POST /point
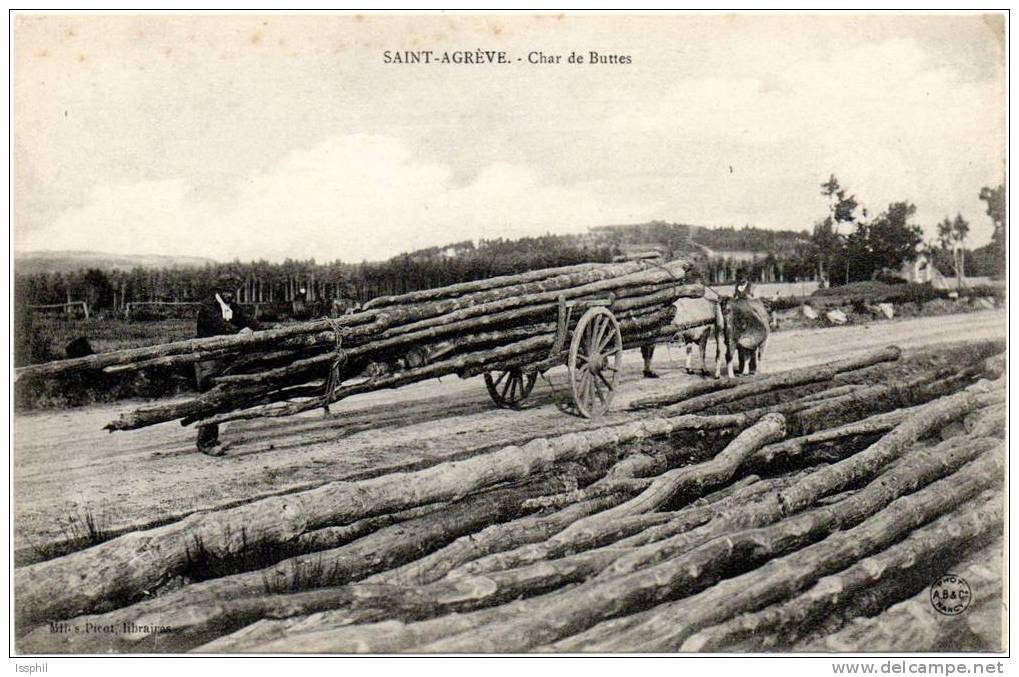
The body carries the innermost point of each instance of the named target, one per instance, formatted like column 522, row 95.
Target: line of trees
column 849, row 246
column 846, row 245
column 309, row 281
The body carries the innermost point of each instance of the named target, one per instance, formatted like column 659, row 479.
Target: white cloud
column 307, row 144
column 352, row 197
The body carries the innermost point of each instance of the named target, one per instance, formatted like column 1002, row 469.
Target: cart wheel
column 510, row 388
column 596, row 353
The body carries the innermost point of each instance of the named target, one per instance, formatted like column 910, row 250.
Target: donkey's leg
column 730, row 351
column 703, row 345
column 718, row 355
column 648, row 352
column 688, row 345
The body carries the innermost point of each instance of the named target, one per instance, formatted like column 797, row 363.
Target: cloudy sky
column 272, row 137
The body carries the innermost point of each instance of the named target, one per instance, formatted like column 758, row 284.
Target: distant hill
column 712, row 241
column 69, row 261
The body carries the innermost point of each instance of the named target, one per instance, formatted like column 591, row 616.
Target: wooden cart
column 593, row 357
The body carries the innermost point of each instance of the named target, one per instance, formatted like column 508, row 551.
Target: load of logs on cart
column 731, row 515
column 509, row 329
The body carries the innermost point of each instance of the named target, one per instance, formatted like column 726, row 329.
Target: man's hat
column 226, row 282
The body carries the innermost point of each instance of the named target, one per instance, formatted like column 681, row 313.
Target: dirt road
column 66, row 466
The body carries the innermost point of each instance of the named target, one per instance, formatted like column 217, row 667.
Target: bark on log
column 681, row 521
column 191, row 616
column 786, row 576
column 988, row 422
column 687, row 481
column 627, row 476
column 372, row 322
column 552, row 617
column 327, row 538
column 706, row 394
column 816, row 485
column 203, row 346
column 331, row 631
column 192, row 612
column 132, row 563
column 787, row 379
column 777, row 623
column 459, row 364
column 495, row 538
column 908, row 626
column 464, row 288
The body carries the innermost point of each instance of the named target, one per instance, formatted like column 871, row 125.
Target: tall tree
column 995, row 199
column 828, row 242
column 952, row 234
column 890, row 238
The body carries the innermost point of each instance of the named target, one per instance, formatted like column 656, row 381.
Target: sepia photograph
column 511, row 332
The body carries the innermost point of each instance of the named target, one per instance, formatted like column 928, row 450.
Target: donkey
column 747, row 325
column 709, row 309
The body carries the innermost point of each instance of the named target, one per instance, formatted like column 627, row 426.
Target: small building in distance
column 922, row 270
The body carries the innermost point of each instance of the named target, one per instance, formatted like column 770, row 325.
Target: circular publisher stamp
column 950, row 595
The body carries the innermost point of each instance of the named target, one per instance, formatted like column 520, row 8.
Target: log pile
column 463, row 329
column 745, row 518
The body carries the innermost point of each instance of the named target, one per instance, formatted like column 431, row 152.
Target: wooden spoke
column 510, row 388
column 505, row 387
column 594, row 361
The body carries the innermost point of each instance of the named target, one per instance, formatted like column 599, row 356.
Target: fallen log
column 900, row 628
column 371, row 599
column 787, row 379
column 628, row 476
column 327, row 538
column 611, row 524
column 553, row 617
column 130, row 564
column 788, row 575
column 691, row 517
column 331, row 630
column 495, row 538
column 687, row 481
column 816, row 485
column 383, row 549
column 707, row 394
column 777, row 623
column 190, row 616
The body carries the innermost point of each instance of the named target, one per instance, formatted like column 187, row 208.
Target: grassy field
column 111, row 334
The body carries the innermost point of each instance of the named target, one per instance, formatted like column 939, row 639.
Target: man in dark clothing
column 219, row 316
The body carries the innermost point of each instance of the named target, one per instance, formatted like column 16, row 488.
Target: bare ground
column 66, row 466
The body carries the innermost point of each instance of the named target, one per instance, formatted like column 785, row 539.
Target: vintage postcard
column 509, row 333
